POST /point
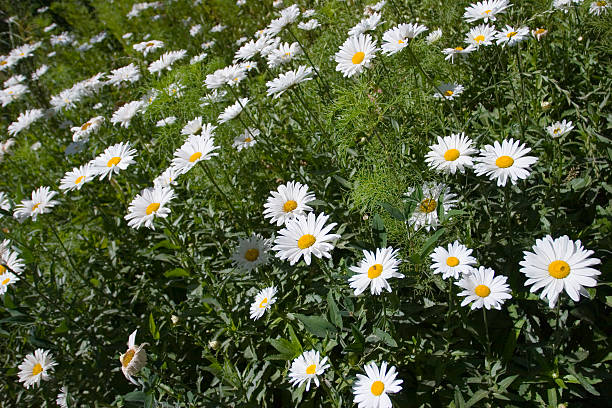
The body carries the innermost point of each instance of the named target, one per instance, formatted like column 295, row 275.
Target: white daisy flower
column 4, row 202
column 75, row 179
column 91, row 126
column 308, row 13
column 505, row 161
column 62, row 398
column 134, row 359
column 12, row 93
column 197, row 58
column 195, row 127
column 41, row 203
column 452, row 52
column 283, row 54
column 374, row 270
column 42, row 70
column 565, row 5
column 511, row 36
column 558, row 264
column 148, row 205
column 208, row 44
column 124, row 114
column 434, row 36
column 599, row 7
column 195, row 30
column 24, row 120
column 6, row 279
column 166, row 61
column 213, row 97
column 370, row 390
column 232, row 111
column 448, row 91
column 167, row 178
column 246, row 139
column 483, row 34
column 279, row 85
column 426, row 212
column 288, row 16
column 309, row 25
column 36, row 367
column 398, row 37
column 263, row 301
column 452, row 261
column 559, row 129
column 166, row 121
column 114, row 159
column 287, row 202
column 148, row 46
column 127, row 74
column 251, row 252
column 366, row 24
column 483, row 288
column 539, row 33
column 485, row 10
column 355, row 54
column 175, row 89
column 195, row 149
column 306, row 368
column 218, row 28
column 451, row 153
column 5, row 147
column 305, row 235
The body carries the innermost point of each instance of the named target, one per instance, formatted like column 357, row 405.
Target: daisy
column 195, row 127
column 129, row 73
column 565, row 5
column 599, row 7
column 166, row 121
column 426, row 212
column 115, row 158
column 232, row 111
column 134, row 359
column 6, row 146
column 218, row 28
column 308, row 13
column 263, row 301
column 288, row 16
column 12, row 93
column 367, row 24
column 451, row 153
column 539, row 33
column 197, row 58
column 397, row 38
column 288, row 79
column 283, row 54
column 370, row 390
column 24, row 121
column 504, row 161
column 483, row 288
column 485, row 10
column 91, row 126
column 195, row 30
column 6, row 279
column 452, row 261
column 374, row 270
column 434, row 36
column 36, row 367
column 166, row 61
column 41, row 203
column 247, row 139
column 213, row 97
column 287, row 202
column 148, row 46
column 511, row 36
column 175, row 90
column 451, row 52
column 483, row 34
column 75, row 179
column 62, row 398
column 251, row 252
column 208, row 44
column 148, row 205
column 4, row 203
column 124, row 114
column 306, row 368
column 559, row 129
column 195, row 149
column 309, row 25
column 42, row 70
column 305, row 235
column 448, row 91
column 167, row 178
column 355, row 54
column 558, row 264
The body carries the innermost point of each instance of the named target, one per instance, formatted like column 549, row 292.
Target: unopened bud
column 214, row 344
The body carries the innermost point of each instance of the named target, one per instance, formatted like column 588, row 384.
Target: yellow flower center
column 451, row 155
column 311, row 369
column 151, row 208
column 263, row 303
column 195, row 156
column 85, row 126
column 400, row 41
column 78, row 180
column 452, row 261
column 504, row 162
column 479, row 38
column 559, row 269
column 428, row 205
column 35, row 206
column 540, row 31
column 150, row 44
column 377, row 388
column 482, row 290
column 2, row 270
column 374, row 271
column 511, row 34
column 251, row 254
column 306, row 241
column 248, row 140
column 4, row 62
column 287, row 54
column 6, row 281
column 289, row 206
column 114, row 161
column 127, row 357
column 487, row 11
column 37, row 369
column 458, row 48
column 358, row 57
column 449, row 93
column 601, row 4
column 557, row 130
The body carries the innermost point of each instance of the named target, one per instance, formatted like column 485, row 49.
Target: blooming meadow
column 256, row 203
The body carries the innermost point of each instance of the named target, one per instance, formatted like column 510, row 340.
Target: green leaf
column 459, row 401
column 431, row 241
column 583, row 381
column 343, row 182
column 513, row 338
column 317, row 325
column 552, row 398
column 334, row 312
column 395, row 213
column 286, row 348
column 505, row 383
column 385, row 337
column 379, row 232
column 177, row 273
column 478, row 395
column 152, row 327
column 135, row 396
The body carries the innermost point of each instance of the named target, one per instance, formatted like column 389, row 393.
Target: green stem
column 486, row 325
column 212, row 180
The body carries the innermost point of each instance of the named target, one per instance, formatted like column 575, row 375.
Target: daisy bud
column 175, row 319
column 214, row 344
